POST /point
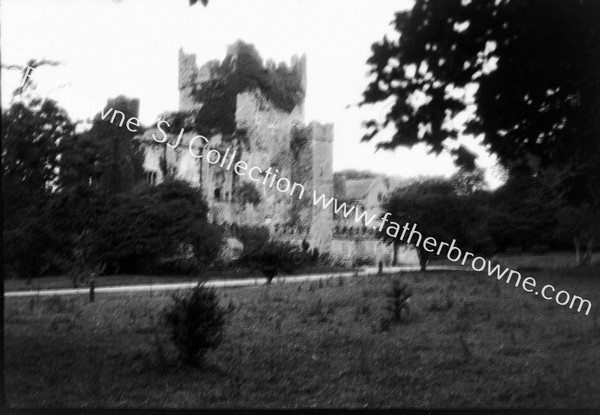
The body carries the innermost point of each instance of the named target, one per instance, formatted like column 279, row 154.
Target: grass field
column 470, row 342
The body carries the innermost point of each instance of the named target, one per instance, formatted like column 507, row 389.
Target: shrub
column 195, row 322
column 176, row 265
column 384, row 324
column 363, row 260
column 326, row 260
column 305, row 245
column 271, row 258
column 315, row 255
column 252, row 237
column 398, row 299
column 135, row 231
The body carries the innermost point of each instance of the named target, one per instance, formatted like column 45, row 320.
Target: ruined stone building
column 366, row 194
column 255, row 111
column 262, row 132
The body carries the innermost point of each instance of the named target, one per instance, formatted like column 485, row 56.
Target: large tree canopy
column 535, row 65
column 531, row 69
column 31, row 131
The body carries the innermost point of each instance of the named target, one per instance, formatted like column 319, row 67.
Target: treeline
column 537, row 122
column 524, row 214
column 77, row 204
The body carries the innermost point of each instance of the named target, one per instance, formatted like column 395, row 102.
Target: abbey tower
column 255, row 110
column 266, row 127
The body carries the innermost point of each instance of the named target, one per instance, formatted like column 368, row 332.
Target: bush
column 135, row 231
column 252, row 237
column 195, row 322
column 363, row 260
column 272, row 258
column 176, row 265
column 398, row 299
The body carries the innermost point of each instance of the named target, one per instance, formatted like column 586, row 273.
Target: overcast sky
column 130, row 47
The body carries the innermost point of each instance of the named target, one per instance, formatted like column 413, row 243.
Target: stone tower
column 188, row 79
column 273, row 136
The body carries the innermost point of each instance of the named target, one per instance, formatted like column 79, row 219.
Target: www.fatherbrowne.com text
column 268, row 177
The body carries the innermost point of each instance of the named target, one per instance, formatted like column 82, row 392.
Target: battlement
column 188, row 70
column 285, row 82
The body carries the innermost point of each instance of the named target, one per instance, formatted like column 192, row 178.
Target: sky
column 130, row 47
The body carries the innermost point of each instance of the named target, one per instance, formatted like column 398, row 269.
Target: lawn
column 470, row 342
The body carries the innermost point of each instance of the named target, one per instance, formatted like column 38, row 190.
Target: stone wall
column 267, row 144
column 349, row 250
column 346, row 249
column 179, row 160
column 321, row 230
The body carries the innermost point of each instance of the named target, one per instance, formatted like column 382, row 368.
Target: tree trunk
column 270, row 272
column 395, row 258
column 577, row 251
column 587, row 258
column 423, row 258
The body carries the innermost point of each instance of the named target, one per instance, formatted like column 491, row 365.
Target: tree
column 30, row 135
column 135, row 230
column 31, row 132
column 468, row 182
column 504, row 49
column 187, row 222
column 271, row 258
column 523, row 212
column 117, row 165
column 579, row 190
column 532, row 117
column 252, row 237
column 94, row 166
column 71, row 216
column 580, row 226
column 419, row 203
column 195, row 322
